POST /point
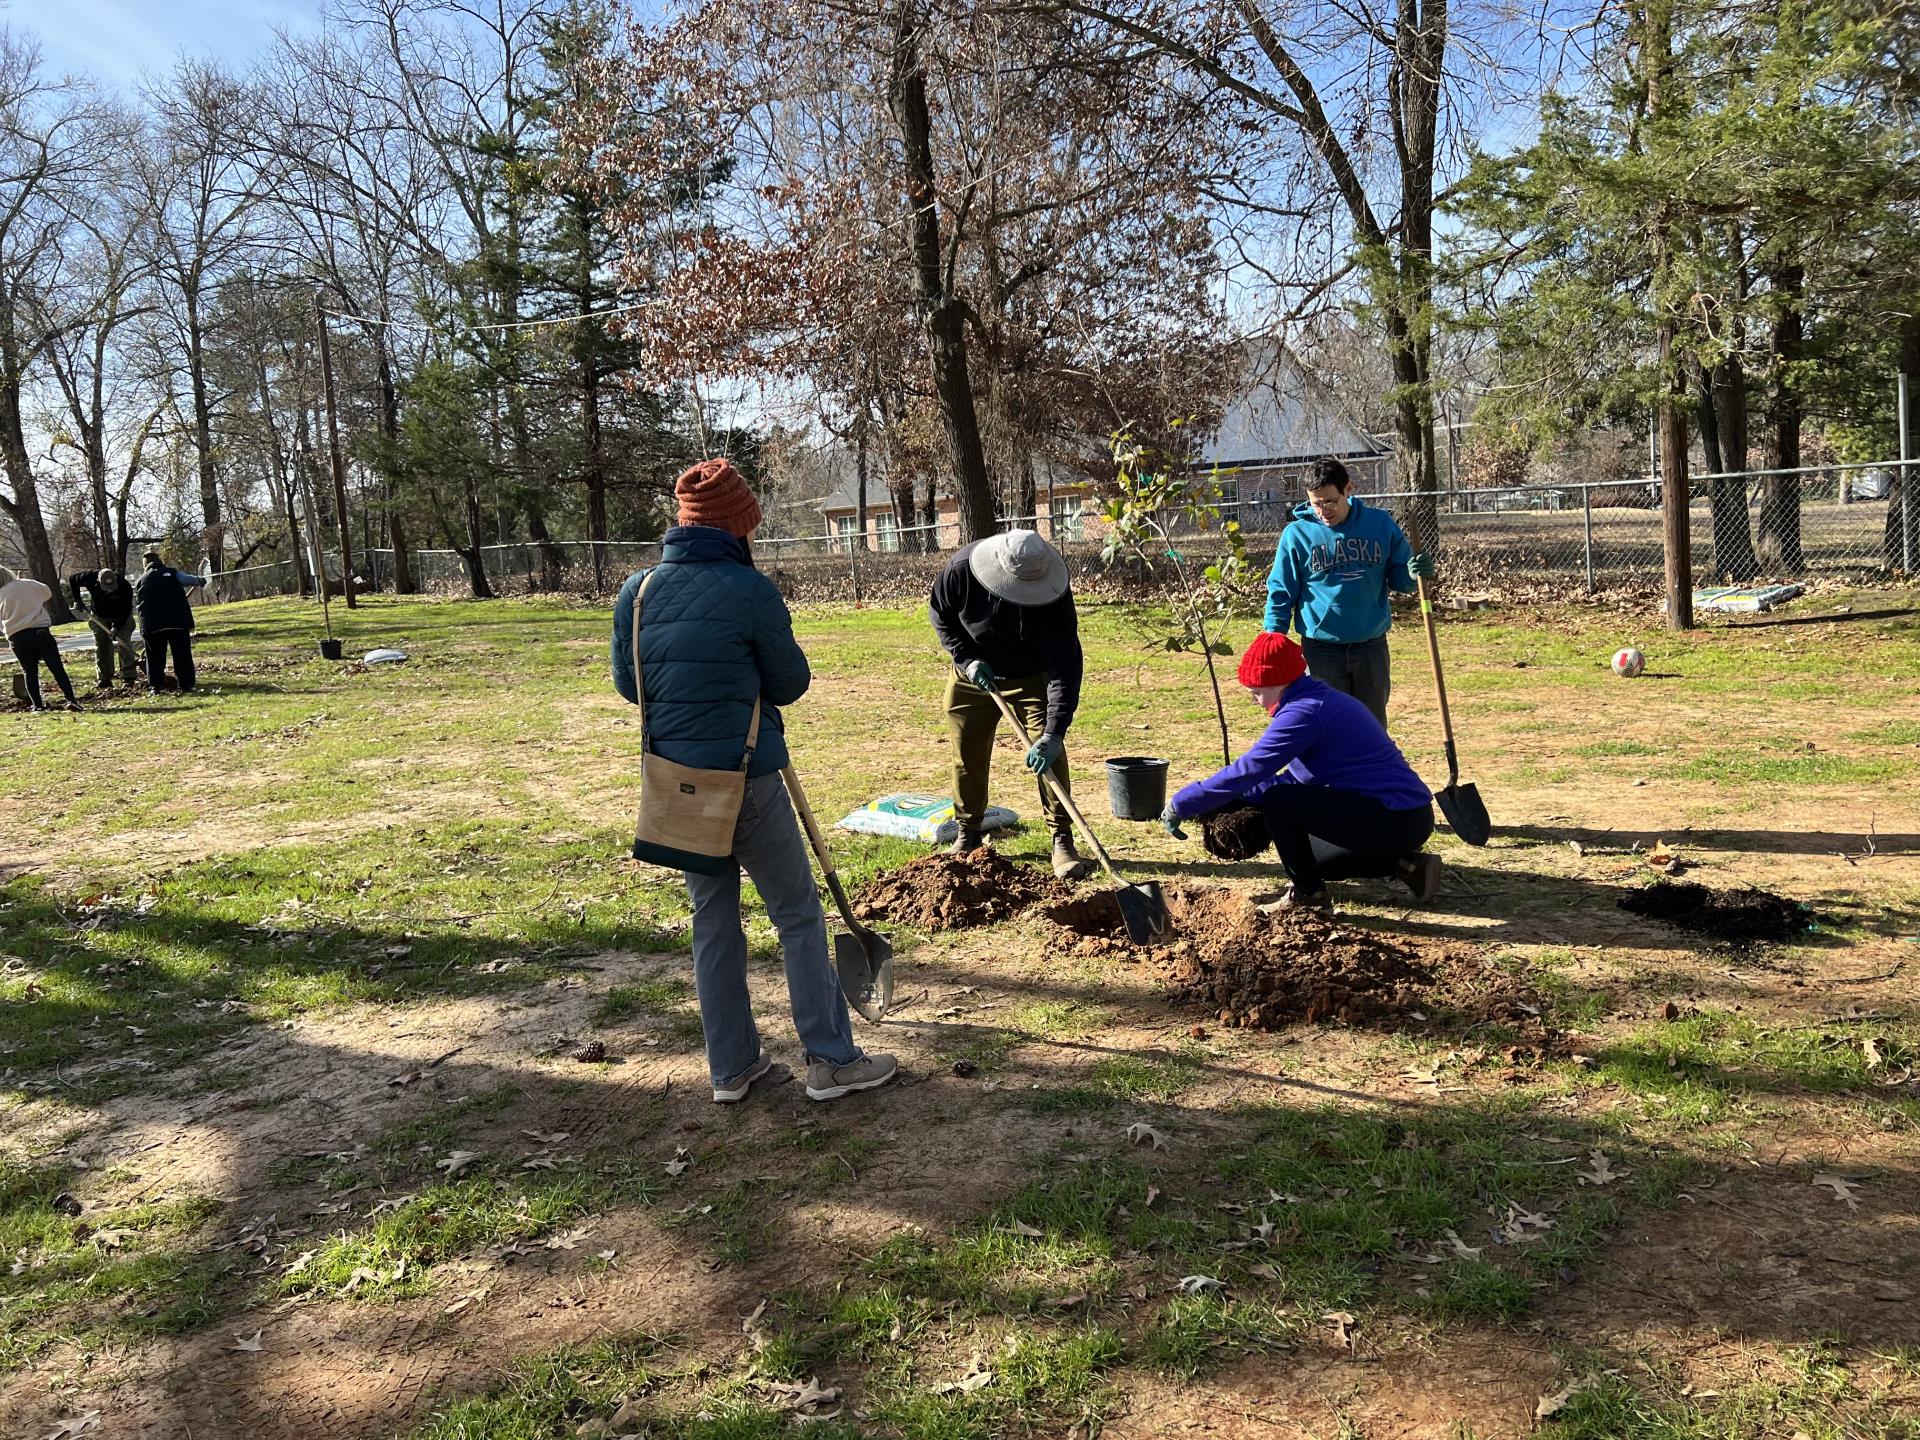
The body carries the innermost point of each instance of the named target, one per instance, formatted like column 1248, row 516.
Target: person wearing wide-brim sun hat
column 716, row 650
column 1003, row 610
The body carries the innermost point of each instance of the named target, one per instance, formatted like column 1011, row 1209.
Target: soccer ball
column 1628, row 662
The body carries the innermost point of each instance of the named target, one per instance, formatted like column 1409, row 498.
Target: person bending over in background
column 1340, row 801
column 715, row 642
column 106, row 600
column 1331, row 573
column 29, row 630
column 1003, row 610
column 166, row 620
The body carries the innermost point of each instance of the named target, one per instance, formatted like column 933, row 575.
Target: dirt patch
column 1739, row 916
column 957, row 892
column 1264, row 971
column 1237, row 833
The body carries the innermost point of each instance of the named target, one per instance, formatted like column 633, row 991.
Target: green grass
column 1788, row 762
column 1116, row 1080
column 661, row 996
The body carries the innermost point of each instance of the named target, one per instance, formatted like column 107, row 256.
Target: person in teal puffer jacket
column 715, row 637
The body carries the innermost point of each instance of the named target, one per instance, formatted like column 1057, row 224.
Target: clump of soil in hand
column 1741, row 916
column 957, row 892
column 1237, row 833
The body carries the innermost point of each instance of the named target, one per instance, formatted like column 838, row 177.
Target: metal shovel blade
column 1466, row 813
column 1144, row 910
column 864, row 962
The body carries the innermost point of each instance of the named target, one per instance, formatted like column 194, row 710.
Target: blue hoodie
column 714, row 635
column 1332, row 580
column 1320, row 737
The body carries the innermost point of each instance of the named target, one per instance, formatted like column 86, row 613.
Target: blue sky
column 114, row 41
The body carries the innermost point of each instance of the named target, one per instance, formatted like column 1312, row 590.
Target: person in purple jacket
column 1340, row 800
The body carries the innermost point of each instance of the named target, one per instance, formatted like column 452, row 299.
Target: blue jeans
column 767, row 842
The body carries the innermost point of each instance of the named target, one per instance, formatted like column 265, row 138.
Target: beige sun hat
column 1021, row 567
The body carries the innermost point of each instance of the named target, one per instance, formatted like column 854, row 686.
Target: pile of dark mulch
column 1236, row 833
column 1737, row 916
column 956, row 892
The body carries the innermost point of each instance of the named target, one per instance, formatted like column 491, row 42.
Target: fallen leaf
column 607, row 1256
column 554, row 1137
column 1263, row 1271
column 300, row 1264
column 249, row 1343
column 746, row 1325
column 75, row 1425
column 1342, row 1323
column 1020, row 1227
column 791, row 1396
column 1153, row 1194
column 1870, row 1049
column 978, row 1376
column 568, row 1239
column 1599, row 1170
column 682, row 1158
column 1200, row 1284
column 1461, row 1249
column 457, row 1161
column 1141, row 1133
column 109, row 1238
column 1842, row 1187
column 539, row 1162
column 1421, row 1074
column 1550, row 1405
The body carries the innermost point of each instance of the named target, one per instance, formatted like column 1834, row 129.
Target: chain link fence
column 1841, row 522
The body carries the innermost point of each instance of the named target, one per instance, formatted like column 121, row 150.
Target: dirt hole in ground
column 957, row 892
column 1263, row 971
column 1740, row 916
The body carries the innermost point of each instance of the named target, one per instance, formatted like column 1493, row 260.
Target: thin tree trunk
column 940, row 310
column 1725, row 409
column 23, row 509
column 215, row 534
column 1780, row 550
column 403, row 581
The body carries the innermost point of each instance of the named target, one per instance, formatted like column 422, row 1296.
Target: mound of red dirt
column 956, row 892
column 1739, row 916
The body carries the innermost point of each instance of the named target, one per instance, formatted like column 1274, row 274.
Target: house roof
column 1282, row 415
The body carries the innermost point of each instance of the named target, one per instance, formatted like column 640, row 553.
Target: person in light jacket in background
column 715, row 637
column 106, row 600
column 1340, row 801
column 1332, row 571
column 29, row 630
column 166, row 620
column 1003, row 611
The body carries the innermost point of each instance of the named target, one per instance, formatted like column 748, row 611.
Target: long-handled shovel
column 1461, row 804
column 863, row 959
column 1142, row 906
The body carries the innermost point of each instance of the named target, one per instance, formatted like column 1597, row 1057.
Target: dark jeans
column 1357, row 670
column 1327, row 835
column 32, row 648
column 159, row 642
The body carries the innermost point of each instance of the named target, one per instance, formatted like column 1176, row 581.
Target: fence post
column 1586, row 520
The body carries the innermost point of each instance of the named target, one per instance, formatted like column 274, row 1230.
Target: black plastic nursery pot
column 1136, row 787
column 329, row 649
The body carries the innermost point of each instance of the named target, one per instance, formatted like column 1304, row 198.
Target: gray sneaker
column 830, row 1082
column 736, row 1089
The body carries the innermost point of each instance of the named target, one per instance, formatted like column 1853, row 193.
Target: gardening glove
column 1170, row 822
column 978, row 672
column 1046, row 750
column 1421, row 566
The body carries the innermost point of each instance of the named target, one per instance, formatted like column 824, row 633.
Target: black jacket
column 973, row 623
column 115, row 609
column 162, row 601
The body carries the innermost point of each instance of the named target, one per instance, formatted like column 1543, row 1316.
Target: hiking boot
column 830, row 1082
column 1422, row 876
column 1068, row 863
column 967, row 841
column 736, row 1089
column 1319, row 902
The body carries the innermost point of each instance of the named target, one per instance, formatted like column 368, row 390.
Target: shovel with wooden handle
column 1461, row 804
column 1142, row 906
column 862, row 959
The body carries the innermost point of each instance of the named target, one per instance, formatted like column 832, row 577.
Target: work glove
column 1170, row 822
column 978, row 672
column 1046, row 750
column 1421, row 566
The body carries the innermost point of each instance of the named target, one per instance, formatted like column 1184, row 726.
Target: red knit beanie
column 712, row 493
column 1271, row 660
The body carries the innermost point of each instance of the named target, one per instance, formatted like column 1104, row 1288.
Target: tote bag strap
column 640, row 684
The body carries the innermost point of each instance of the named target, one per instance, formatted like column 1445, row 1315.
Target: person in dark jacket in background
column 1003, row 610
column 1332, row 571
column 29, row 631
column 1340, row 801
column 715, row 637
column 106, row 600
column 166, row 620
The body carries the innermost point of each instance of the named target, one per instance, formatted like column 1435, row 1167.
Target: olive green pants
column 972, row 718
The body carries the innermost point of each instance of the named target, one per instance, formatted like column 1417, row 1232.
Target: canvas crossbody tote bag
column 687, row 816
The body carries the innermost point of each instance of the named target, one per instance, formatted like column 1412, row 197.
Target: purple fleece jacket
column 1320, row 737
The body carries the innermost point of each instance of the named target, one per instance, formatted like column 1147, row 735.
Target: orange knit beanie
column 712, row 493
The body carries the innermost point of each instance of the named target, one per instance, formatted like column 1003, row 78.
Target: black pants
column 159, row 642
column 1357, row 670
column 33, row 647
column 1327, row 835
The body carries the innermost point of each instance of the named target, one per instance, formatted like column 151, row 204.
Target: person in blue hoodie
column 1331, row 573
column 1340, row 801
column 715, row 638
